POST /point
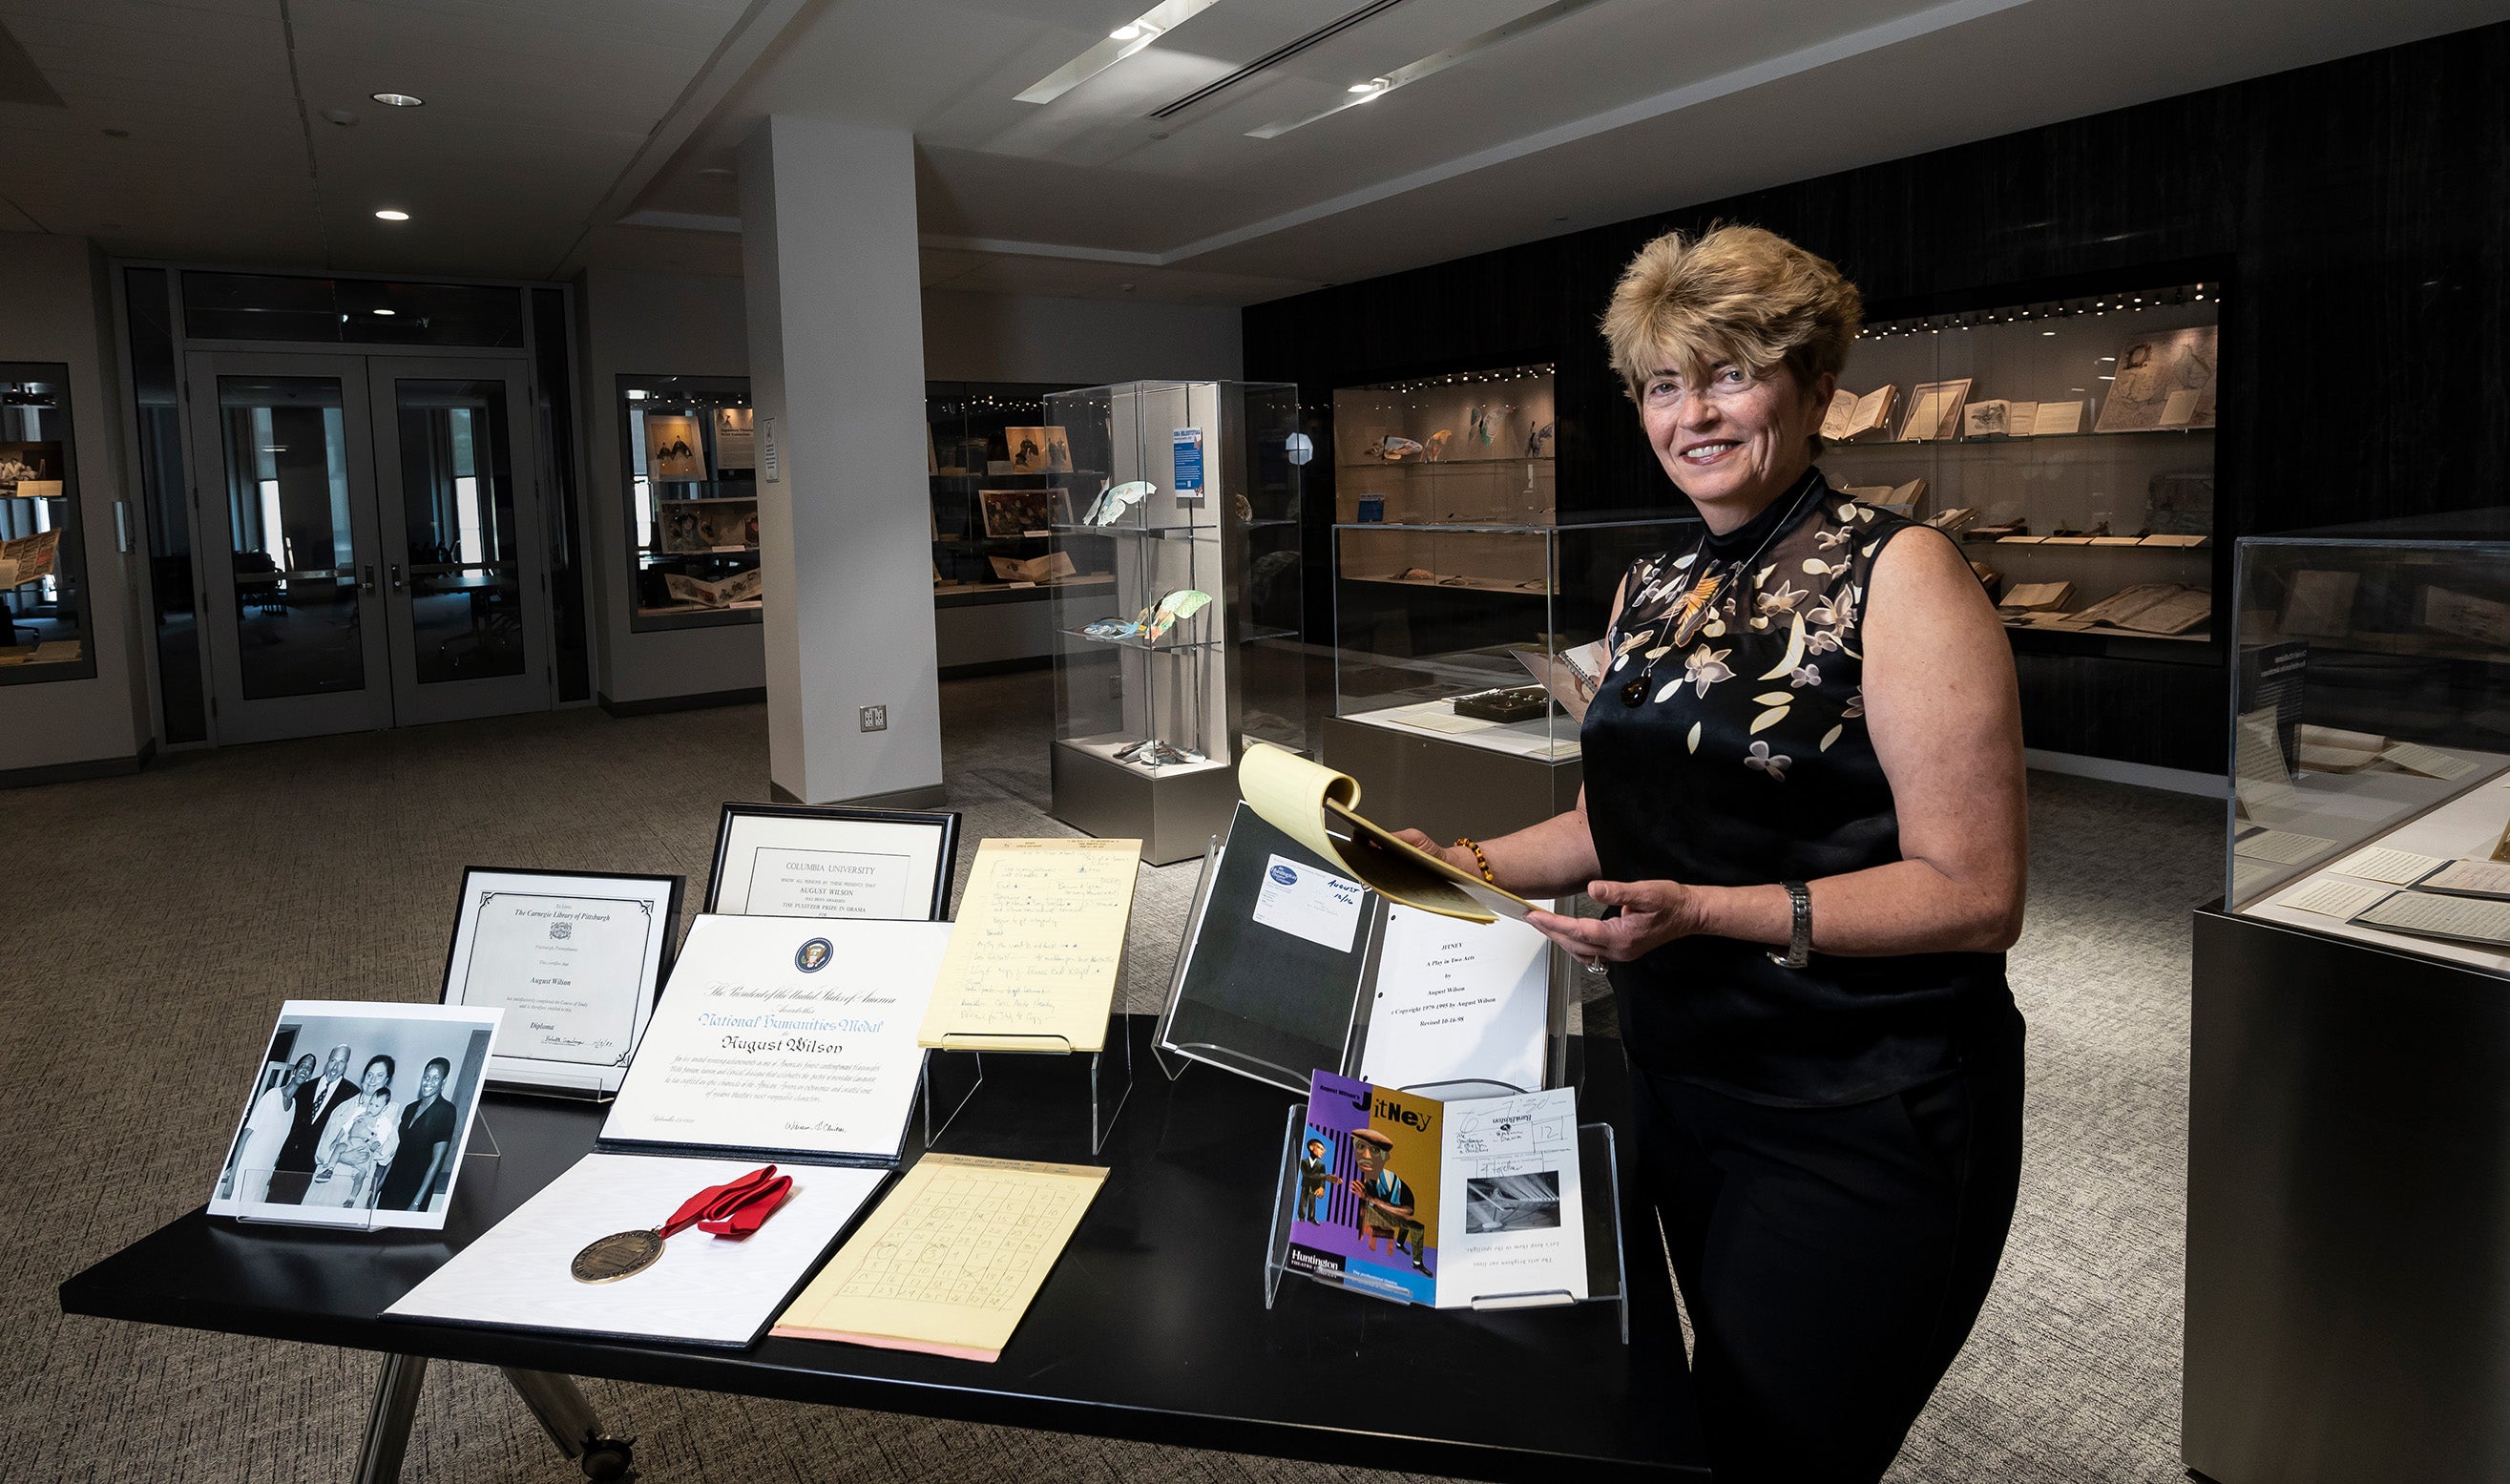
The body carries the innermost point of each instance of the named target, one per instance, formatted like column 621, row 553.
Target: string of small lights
column 2089, row 306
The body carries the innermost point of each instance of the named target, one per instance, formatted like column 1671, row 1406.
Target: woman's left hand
column 1654, row 913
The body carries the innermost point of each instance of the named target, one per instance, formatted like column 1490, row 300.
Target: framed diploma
column 575, row 959
column 783, row 1039
column 795, row 860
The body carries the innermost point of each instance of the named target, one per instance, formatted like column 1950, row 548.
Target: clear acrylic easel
column 1598, row 1176
column 952, row 1073
column 356, row 1218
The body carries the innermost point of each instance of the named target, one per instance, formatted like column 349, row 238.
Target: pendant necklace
column 1699, row 601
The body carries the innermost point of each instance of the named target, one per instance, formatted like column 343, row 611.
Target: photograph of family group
column 357, row 1115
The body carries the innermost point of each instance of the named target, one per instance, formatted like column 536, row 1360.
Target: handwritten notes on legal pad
column 1039, row 943
column 951, row 1260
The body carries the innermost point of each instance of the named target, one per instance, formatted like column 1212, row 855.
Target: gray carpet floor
column 159, row 918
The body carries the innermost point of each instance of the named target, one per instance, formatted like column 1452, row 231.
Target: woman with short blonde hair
column 1804, row 812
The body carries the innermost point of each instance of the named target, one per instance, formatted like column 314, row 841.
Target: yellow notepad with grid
column 952, row 1259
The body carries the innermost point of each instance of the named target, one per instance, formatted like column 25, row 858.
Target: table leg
column 572, row 1425
column 388, row 1424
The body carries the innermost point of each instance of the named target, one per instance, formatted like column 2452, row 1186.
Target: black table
column 1151, row 1327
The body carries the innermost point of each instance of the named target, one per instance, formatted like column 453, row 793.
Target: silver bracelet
column 1800, row 937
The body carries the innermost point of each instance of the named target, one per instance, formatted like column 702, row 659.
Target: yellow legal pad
column 1319, row 808
column 950, row 1261
column 1039, row 941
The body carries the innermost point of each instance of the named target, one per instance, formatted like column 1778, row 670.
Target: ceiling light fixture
column 1430, row 66
column 385, row 310
column 397, row 99
column 1122, row 42
column 392, row 214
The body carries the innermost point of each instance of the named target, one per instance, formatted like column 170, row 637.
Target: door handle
column 369, row 581
column 396, row 577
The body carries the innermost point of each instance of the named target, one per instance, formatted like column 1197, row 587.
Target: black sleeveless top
column 1744, row 761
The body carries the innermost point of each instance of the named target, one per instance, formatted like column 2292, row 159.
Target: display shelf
column 687, row 446
column 1233, row 534
column 43, row 552
column 2007, row 440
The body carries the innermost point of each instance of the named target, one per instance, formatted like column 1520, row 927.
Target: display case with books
column 2370, row 736
column 42, row 572
column 2067, row 442
column 1464, row 657
column 1000, row 475
column 689, row 464
column 1185, row 495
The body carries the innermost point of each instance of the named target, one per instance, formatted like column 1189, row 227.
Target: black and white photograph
column 357, row 1115
column 30, row 470
column 1529, row 1203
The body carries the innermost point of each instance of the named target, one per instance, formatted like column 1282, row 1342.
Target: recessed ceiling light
column 384, row 311
column 1122, row 42
column 397, row 99
column 392, row 214
column 1430, row 65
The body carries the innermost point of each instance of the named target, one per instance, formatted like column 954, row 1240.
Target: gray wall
column 56, row 309
column 1012, row 337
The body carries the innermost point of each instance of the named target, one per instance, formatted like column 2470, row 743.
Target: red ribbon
column 732, row 1209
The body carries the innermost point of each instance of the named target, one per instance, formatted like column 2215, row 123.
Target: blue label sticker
column 1189, row 463
column 1286, row 876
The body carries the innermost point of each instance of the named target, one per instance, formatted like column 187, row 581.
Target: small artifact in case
column 1514, row 702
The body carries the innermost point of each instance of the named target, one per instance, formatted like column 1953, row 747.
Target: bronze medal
column 621, row 1254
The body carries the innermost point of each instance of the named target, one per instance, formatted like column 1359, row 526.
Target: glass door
column 384, row 562
column 462, row 541
column 294, row 618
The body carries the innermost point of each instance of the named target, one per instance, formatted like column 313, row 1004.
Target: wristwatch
column 1798, row 940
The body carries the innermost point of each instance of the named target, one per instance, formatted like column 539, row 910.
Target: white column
column 836, row 358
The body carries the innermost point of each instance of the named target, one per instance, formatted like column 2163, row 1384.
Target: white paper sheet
column 2332, row 899
column 2430, row 762
column 2467, row 918
column 703, row 1289
column 2380, row 863
column 2258, row 774
column 1511, row 1211
column 2471, row 878
column 1458, row 1001
column 785, row 1033
column 2281, row 846
column 1309, row 903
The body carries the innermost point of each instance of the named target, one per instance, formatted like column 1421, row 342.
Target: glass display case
column 1444, row 636
column 2371, row 735
column 1470, row 449
column 1001, row 477
column 42, row 572
column 2068, row 444
column 1184, row 501
column 690, row 468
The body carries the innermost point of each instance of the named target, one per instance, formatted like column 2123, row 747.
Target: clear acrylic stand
column 588, row 1086
column 949, row 1085
column 1599, row 1176
column 1172, row 1059
column 314, row 1210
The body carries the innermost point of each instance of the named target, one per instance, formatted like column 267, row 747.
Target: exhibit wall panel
column 58, row 308
column 2353, row 211
column 658, row 325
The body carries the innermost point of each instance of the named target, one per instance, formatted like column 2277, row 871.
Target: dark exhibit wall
column 2358, row 213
